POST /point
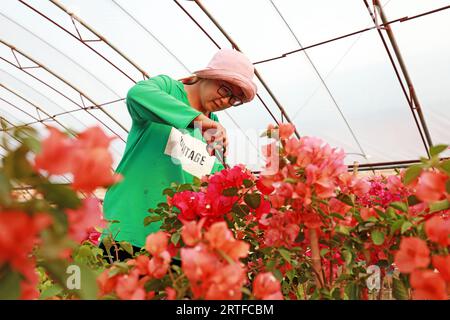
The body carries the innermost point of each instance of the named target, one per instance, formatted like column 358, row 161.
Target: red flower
column 92, row 169
column 94, row 137
column 264, row 185
column 427, row 285
column 128, row 287
column 156, row 243
column 413, row 254
column 106, row 284
column 226, row 283
column 431, row 186
column 366, row 213
column 18, row 234
column 221, row 238
column 198, row 264
column 438, row 230
column 171, row 293
column 267, row 287
column 158, row 265
column 443, row 265
column 286, row 130
column 82, row 220
column 56, row 154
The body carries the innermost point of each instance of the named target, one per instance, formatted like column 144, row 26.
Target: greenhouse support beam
column 403, row 19
column 35, row 106
column 82, row 94
column 413, row 100
column 235, row 46
column 397, row 74
column 102, row 38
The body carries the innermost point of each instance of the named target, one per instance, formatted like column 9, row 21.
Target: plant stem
column 315, row 257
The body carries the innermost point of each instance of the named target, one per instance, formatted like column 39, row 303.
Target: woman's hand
column 213, row 132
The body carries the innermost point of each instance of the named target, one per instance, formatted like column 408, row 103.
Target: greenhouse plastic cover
column 345, row 92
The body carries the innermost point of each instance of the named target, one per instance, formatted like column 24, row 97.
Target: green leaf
column 278, row 275
column 399, row 291
column 343, row 229
column 185, row 187
column 412, row 173
column 399, row 206
column 324, row 251
column 50, row 292
column 153, row 285
column 345, row 199
column 291, row 274
column 412, row 200
column 5, row 190
column 248, row 183
column 439, row 206
column 169, row 192
column 337, row 215
column 377, row 237
column 230, row 192
column 405, row 226
column 435, row 150
column 61, row 195
column 9, row 284
column 447, row 186
column 445, row 166
column 175, row 238
column 150, row 219
column 16, row 164
column 390, row 212
column 352, row 291
column 348, row 257
column 253, row 200
column 285, row 254
column 126, row 246
column 396, row 225
column 108, row 242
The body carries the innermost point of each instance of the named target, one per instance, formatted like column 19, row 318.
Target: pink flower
column 442, row 263
column 55, row 156
column 286, row 130
column 191, row 233
column 18, row 235
column 171, row 293
column 159, row 264
column 226, row 283
column 94, row 137
column 92, row 169
column 157, row 242
column 221, row 238
column 129, row 288
column 267, row 287
column 82, row 220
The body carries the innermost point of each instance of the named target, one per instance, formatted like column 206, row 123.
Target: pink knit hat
column 233, row 67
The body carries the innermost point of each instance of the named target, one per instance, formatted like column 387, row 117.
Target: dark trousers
column 122, row 255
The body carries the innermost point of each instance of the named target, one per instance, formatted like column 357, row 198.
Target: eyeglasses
column 226, row 92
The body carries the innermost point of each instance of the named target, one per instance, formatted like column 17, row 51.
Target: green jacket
column 157, row 106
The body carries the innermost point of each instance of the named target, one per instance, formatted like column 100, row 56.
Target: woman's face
column 217, row 95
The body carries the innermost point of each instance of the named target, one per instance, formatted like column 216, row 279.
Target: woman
column 173, row 137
